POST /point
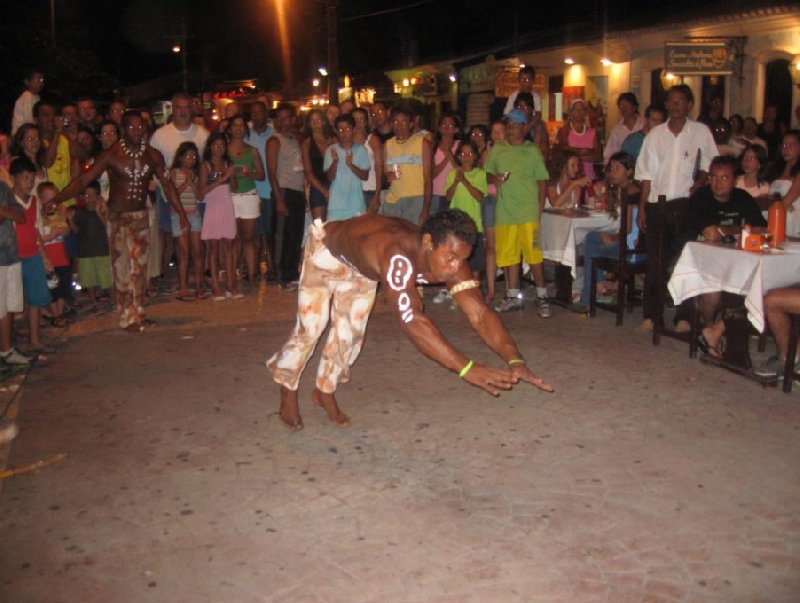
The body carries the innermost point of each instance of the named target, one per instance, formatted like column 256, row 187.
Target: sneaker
column 542, row 307
column 771, row 367
column 16, row 358
column 442, row 296
column 507, row 304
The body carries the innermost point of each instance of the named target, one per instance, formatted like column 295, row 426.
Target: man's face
column 197, row 105
column 515, row 132
column 346, row 107
column 70, row 114
column 377, row 114
column 361, row 120
column 87, row 111
column 446, row 259
column 750, row 127
column 332, row 113
column 134, row 130
column 46, row 119
column 115, row 111
column 258, row 115
column 678, row 106
column 401, row 126
column 344, row 133
column 35, row 83
column 232, row 109
column 525, row 82
column 182, row 113
column 23, row 183
column 108, row 136
column 654, row 119
column 626, row 108
column 722, row 180
column 284, row 120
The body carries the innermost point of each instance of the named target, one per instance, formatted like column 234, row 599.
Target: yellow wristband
column 466, row 369
column 514, row 361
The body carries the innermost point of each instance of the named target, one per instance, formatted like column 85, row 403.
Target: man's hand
column 489, row 379
column 280, row 207
column 375, row 204
column 641, row 220
column 523, row 373
column 424, row 215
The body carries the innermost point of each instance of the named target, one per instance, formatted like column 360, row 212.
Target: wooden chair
column 791, row 354
column 669, row 217
column 627, row 264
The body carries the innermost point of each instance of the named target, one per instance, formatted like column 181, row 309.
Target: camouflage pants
column 130, row 235
column 331, row 290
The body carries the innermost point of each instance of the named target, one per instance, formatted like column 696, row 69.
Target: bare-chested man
column 131, row 164
column 344, row 261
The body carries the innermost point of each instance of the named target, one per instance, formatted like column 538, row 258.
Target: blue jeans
column 593, row 247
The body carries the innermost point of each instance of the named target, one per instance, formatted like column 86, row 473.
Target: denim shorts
column 195, row 222
column 34, row 282
column 488, row 208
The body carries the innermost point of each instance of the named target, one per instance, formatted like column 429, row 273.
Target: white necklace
column 136, row 176
column 130, row 152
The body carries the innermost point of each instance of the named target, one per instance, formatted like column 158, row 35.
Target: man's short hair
column 182, row 96
column 30, row 71
column 683, row 89
column 129, row 115
column 94, row 185
column 286, row 107
column 630, row 97
column 450, row 222
column 404, row 108
column 20, row 165
column 346, row 118
column 524, row 97
column 723, row 161
column 657, row 107
column 360, row 110
column 529, row 70
column 44, row 103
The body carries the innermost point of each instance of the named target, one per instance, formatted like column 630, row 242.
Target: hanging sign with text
column 698, row 58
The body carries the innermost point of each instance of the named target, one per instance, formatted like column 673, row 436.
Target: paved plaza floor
column 646, row 476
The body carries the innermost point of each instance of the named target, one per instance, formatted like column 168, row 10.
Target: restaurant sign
column 698, row 58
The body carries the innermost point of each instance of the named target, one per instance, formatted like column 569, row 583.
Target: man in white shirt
column 631, row 122
column 23, row 108
column 167, row 139
column 260, row 131
column 527, row 76
column 674, row 162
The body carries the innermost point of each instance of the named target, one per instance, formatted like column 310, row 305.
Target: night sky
column 130, row 40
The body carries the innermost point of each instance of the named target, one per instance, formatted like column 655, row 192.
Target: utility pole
column 333, row 51
column 184, row 66
column 53, row 22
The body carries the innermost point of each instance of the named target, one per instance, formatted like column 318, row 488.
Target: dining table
column 561, row 231
column 706, row 267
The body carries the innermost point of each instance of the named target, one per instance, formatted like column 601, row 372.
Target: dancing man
column 131, row 164
column 344, row 261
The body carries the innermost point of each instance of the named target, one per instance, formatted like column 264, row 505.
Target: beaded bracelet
column 514, row 361
column 466, row 369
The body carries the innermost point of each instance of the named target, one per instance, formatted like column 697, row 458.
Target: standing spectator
column 380, row 122
column 654, row 115
column 53, row 229
column 249, row 169
column 219, row 221
column 11, row 300
column 527, row 77
column 536, row 130
column 771, row 131
column 726, row 144
column 517, row 167
column 87, row 113
column 23, row 107
column 331, row 113
column 374, row 147
column 30, row 248
column 346, row 165
column 115, row 112
column 631, row 122
column 109, row 135
column 185, row 178
column 484, row 139
column 713, row 111
column 446, row 142
column 59, row 147
column 317, row 135
column 285, row 170
column 750, row 133
column 88, row 223
column 580, row 137
column 408, row 170
column 28, row 144
column 167, row 139
column 786, row 180
column 673, row 162
column 260, row 131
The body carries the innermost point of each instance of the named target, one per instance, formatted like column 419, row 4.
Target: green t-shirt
column 463, row 199
column 518, row 197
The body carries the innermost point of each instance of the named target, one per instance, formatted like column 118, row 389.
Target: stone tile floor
column 647, row 476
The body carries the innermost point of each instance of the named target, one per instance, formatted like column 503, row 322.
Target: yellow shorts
column 515, row 240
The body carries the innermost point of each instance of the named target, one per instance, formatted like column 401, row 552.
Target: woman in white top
column 787, row 181
column 753, row 168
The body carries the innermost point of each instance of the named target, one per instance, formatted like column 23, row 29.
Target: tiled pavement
column 647, row 476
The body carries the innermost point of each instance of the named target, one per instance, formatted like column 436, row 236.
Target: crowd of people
column 108, row 200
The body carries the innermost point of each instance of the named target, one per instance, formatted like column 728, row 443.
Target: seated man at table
column 715, row 211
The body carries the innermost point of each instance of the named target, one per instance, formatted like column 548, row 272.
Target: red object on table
column 776, row 222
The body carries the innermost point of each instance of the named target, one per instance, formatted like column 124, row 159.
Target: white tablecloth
column 560, row 234
column 705, row 268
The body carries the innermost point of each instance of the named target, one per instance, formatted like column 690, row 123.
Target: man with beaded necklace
column 131, row 163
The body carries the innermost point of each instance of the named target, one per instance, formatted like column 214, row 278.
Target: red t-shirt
column 28, row 233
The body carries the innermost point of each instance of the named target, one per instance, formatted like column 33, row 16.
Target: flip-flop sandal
column 707, row 348
column 185, row 298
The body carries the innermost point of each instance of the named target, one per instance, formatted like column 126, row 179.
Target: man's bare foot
column 290, row 412
column 135, row 327
column 328, row 402
column 712, row 337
